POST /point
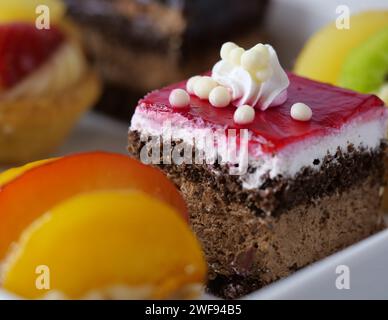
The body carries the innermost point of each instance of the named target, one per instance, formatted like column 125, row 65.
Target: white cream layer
column 361, row 133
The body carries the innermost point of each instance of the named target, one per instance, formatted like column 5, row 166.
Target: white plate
column 366, row 261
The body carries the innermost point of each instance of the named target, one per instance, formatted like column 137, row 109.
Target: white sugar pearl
column 301, row 112
column 226, row 49
column 219, row 97
column 190, row 84
column 203, row 86
column 254, row 59
column 179, row 98
column 235, row 55
column 244, row 114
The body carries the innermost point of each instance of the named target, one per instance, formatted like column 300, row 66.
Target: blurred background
column 140, row 46
column 291, row 23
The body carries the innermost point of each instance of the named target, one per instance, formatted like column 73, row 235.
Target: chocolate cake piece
column 293, row 192
column 142, row 45
column 257, row 228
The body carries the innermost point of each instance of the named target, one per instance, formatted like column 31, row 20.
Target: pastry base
column 31, row 128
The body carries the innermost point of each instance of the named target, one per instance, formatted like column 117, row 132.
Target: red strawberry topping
column 332, row 107
column 24, row 48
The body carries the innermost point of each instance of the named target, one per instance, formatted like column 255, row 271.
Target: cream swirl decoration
column 254, row 77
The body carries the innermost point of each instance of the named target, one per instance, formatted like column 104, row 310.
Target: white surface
column 367, row 262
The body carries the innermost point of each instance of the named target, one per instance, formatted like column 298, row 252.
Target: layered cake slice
column 278, row 171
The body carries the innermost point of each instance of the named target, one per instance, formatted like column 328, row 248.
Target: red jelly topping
column 332, row 107
column 23, row 48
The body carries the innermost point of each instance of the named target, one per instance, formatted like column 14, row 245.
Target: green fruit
column 366, row 67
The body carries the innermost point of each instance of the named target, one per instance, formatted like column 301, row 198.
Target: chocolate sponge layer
column 254, row 237
column 245, row 252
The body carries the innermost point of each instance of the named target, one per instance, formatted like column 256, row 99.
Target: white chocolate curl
column 257, row 80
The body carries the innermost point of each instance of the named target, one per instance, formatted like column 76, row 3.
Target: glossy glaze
column 332, row 108
column 23, row 49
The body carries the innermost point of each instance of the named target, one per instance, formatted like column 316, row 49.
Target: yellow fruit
column 111, row 244
column 325, row 53
column 25, row 10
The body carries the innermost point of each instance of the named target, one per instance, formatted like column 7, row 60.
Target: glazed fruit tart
column 45, row 81
column 305, row 176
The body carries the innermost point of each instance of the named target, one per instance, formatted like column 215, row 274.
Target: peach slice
column 13, row 173
column 37, row 190
column 107, row 244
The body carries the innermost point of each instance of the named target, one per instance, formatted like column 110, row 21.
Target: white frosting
column 246, row 90
column 361, row 133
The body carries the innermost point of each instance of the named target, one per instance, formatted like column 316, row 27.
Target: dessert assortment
column 166, row 40
column 249, row 172
column 314, row 157
column 45, row 81
column 106, row 226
